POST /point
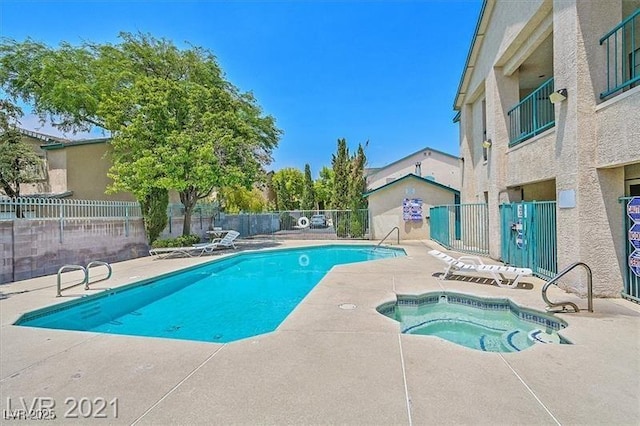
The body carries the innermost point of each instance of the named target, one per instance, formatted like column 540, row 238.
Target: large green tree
column 18, row 162
column 287, row 185
column 176, row 122
column 357, row 181
column 341, row 164
column 240, row 199
column 308, row 194
column 323, row 188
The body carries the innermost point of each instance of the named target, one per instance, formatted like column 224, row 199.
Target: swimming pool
column 486, row 324
column 224, row 300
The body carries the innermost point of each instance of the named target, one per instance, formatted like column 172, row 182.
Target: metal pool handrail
column 97, row 263
column 571, row 304
column 395, row 228
column 71, row 268
column 85, row 280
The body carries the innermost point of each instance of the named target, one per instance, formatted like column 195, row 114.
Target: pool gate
column 528, row 236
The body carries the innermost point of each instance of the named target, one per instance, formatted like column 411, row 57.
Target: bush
column 342, row 230
column 356, row 229
column 181, row 241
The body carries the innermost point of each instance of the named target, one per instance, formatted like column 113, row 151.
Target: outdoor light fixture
column 486, row 144
column 558, row 96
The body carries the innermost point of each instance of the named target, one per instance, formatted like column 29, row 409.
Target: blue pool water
column 490, row 325
column 221, row 301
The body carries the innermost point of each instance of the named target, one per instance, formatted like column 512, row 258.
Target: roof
column 41, row 136
column 408, row 176
column 474, row 49
column 61, row 145
column 56, row 142
column 373, row 170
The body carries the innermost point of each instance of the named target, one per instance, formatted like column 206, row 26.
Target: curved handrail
column 395, row 228
column 97, row 263
column 566, row 270
column 71, row 268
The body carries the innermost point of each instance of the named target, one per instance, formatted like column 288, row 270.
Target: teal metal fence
column 461, row 227
column 528, row 236
column 532, row 115
column 631, row 289
column 623, row 55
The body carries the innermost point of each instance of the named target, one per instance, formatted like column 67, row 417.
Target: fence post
column 61, row 205
column 126, row 220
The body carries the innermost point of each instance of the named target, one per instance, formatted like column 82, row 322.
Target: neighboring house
column 405, row 203
column 582, row 151
column 427, row 163
column 71, row 169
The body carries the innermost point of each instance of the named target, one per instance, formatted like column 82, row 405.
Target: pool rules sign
column 633, row 211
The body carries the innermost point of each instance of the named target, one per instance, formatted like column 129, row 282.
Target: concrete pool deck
column 326, row 365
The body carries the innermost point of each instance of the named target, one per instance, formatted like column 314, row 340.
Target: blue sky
column 382, row 71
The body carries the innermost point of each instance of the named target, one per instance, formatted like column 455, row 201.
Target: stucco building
column 427, row 163
column 401, row 193
column 549, row 110
column 74, row 169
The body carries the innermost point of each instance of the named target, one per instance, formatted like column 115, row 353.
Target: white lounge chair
column 197, row 250
column 475, row 264
column 226, row 241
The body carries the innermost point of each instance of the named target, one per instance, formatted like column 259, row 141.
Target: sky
column 385, row 72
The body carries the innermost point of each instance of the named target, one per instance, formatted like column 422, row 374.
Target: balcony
column 623, row 55
column 532, row 115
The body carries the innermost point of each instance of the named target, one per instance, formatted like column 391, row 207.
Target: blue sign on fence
column 634, row 262
column 633, row 209
column 634, row 235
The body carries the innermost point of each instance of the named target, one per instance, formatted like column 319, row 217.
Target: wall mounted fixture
column 558, row 96
column 486, row 144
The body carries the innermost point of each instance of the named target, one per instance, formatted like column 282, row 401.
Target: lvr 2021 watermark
column 44, row 408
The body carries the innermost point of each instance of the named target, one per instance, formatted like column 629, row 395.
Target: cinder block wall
column 33, row 248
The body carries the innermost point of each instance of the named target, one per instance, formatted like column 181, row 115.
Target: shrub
column 181, row 241
column 342, row 230
column 356, row 227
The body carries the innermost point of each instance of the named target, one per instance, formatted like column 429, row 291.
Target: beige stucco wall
column 385, row 208
column 587, row 150
column 443, row 168
column 87, row 167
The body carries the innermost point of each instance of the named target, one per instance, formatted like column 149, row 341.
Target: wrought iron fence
column 532, row 115
column 623, row 55
column 55, row 208
column 461, row 227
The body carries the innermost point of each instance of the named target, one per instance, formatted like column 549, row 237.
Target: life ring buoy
column 303, row 222
column 303, row 260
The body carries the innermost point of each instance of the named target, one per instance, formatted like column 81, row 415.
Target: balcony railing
column 623, row 55
column 533, row 114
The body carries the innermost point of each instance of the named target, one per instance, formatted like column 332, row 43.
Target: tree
column 341, row 173
column 357, row 181
column 308, row 193
column 323, row 188
column 287, row 184
column 240, row 199
column 176, row 122
column 18, row 162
